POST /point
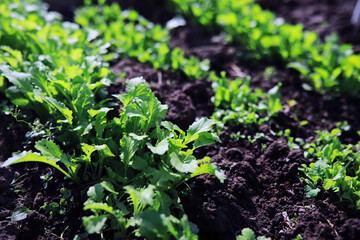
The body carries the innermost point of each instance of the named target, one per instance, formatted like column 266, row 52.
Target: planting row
column 234, row 101
column 333, row 68
column 134, row 163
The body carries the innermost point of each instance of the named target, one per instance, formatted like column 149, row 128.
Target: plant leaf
column 19, row 213
column 246, row 234
column 129, row 146
column 205, row 138
column 96, row 193
column 49, row 150
column 160, row 148
column 202, row 125
column 98, row 206
column 141, row 198
column 94, row 224
column 33, row 157
column 138, row 163
column 311, row 192
column 176, row 162
column 108, row 186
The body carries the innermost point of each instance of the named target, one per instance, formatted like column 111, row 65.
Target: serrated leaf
column 246, row 234
column 202, row 125
column 219, row 173
column 105, row 150
column 160, row 148
column 15, row 53
column 132, row 83
column 177, row 143
column 94, row 224
column 19, row 213
column 49, row 150
column 67, row 113
column 156, row 110
column 19, row 79
column 129, row 146
column 141, row 198
column 87, row 149
column 329, row 184
column 93, row 112
column 98, row 206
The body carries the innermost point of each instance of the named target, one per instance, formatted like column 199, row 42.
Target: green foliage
column 141, row 157
column 19, row 213
column 134, row 162
column 131, row 35
column 335, row 168
column 248, row 234
column 332, row 67
column 236, row 103
column 155, row 157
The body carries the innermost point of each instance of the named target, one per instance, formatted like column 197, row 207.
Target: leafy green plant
column 143, row 159
column 335, row 168
column 236, row 103
column 293, row 143
column 135, row 162
column 332, row 67
column 131, row 35
column 156, row 157
column 248, row 234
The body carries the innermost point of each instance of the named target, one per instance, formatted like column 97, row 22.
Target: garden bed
column 263, row 189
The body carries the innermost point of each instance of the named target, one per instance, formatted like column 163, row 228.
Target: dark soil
column 263, row 190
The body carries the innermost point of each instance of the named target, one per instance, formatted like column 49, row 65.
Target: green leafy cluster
column 135, row 161
column 54, row 69
column 248, row 234
column 332, row 67
column 335, row 168
column 236, row 103
column 29, row 33
column 149, row 160
column 131, row 35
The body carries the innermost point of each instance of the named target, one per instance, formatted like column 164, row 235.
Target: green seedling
column 335, row 168
column 236, row 103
